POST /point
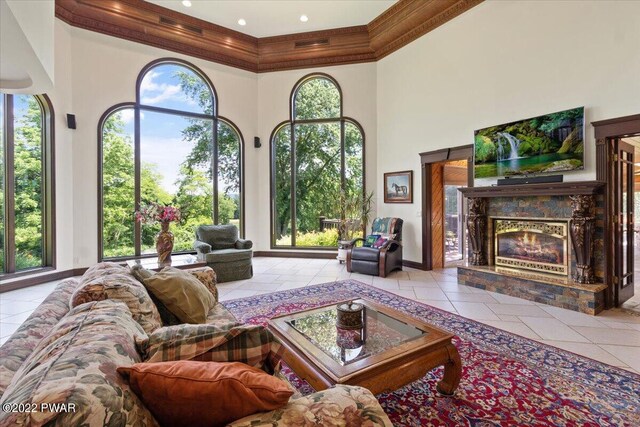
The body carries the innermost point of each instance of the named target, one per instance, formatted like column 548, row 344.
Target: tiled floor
column 612, row 337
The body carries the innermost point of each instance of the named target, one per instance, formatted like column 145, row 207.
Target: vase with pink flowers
column 156, row 213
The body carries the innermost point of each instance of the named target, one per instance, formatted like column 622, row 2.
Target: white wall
column 499, row 62
column 104, row 72
column 358, row 84
column 27, row 45
column 61, row 98
column 96, row 72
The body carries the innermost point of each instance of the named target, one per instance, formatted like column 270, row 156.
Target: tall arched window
column 170, row 147
column 26, row 184
column 317, row 159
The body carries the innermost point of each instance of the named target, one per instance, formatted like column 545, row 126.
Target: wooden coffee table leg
column 452, row 372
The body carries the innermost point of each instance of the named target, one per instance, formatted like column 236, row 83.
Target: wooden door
column 622, row 192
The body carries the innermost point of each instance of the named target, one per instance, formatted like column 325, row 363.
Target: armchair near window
column 382, row 260
column 228, row 255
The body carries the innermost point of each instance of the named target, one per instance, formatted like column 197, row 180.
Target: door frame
column 605, row 132
column 427, row 159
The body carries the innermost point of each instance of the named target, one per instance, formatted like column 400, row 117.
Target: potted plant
column 355, row 209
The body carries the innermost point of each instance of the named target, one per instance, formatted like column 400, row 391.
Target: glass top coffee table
column 388, row 352
column 183, row 261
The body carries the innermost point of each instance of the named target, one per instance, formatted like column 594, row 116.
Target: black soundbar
column 531, row 180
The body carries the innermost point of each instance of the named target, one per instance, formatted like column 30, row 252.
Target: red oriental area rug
column 507, row 380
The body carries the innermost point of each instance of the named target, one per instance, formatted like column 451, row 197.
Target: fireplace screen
column 532, row 245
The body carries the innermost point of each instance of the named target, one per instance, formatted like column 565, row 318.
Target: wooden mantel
column 547, row 189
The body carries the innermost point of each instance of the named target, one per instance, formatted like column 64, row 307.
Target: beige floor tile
column 572, row 318
column 399, row 275
column 238, row 293
column 421, row 275
column 362, row 278
column 628, row 355
column 291, row 285
column 265, row 278
column 11, row 308
column 618, row 316
column 445, row 278
column 7, row 329
column 552, row 329
column 507, row 299
column 295, row 278
column 468, row 297
column 609, row 336
column 619, row 325
column 508, row 318
column 454, row 287
column 518, row 310
column 474, row 310
column 320, row 279
column 385, row 283
column 258, row 286
column 418, row 284
column 517, row 328
column 430, row 294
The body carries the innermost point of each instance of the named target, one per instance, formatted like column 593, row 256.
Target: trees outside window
column 163, row 148
column 26, row 183
column 317, row 160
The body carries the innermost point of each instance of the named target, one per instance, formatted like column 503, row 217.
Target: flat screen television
column 544, row 144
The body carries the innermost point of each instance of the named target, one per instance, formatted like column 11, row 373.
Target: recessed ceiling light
column 304, row 18
column 186, row 3
column 242, row 22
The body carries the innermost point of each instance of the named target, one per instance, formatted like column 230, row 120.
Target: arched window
column 26, row 184
column 317, row 161
column 169, row 147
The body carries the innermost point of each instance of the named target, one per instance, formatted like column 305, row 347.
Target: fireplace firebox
column 532, row 244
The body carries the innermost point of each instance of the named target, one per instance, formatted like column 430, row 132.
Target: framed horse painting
column 398, row 187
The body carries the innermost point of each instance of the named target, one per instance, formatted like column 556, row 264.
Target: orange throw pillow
column 189, row 393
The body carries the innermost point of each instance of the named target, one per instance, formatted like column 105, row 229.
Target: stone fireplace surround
column 580, row 204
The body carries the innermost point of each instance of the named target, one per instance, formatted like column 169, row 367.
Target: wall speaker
column 71, row 121
column 256, row 142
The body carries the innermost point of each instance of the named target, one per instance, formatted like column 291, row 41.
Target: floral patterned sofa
column 68, row 356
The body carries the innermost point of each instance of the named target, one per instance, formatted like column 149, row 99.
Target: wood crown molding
column 153, row 25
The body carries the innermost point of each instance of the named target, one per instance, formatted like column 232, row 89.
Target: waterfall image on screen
column 544, row 144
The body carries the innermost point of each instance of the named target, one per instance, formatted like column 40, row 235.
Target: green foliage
column 328, row 238
column 317, row 98
column 318, row 164
column 194, row 194
column 28, row 184
column 485, row 149
column 552, row 121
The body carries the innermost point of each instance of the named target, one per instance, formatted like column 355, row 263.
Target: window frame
column 47, row 139
column 138, row 107
column 292, row 122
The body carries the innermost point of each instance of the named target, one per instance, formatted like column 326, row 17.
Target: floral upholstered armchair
column 222, row 249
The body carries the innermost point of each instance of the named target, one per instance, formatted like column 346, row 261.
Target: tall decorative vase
column 164, row 244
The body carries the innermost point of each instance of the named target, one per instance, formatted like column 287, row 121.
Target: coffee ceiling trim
column 153, row 25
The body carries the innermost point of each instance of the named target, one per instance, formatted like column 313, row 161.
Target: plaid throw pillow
column 250, row 344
